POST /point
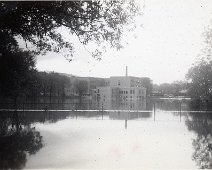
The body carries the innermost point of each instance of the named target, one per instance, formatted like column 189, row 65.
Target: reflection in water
column 122, row 105
column 16, row 141
column 69, row 104
column 201, row 124
column 19, row 136
column 171, row 104
column 128, row 116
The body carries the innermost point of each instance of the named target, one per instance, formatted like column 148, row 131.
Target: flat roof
column 124, row 77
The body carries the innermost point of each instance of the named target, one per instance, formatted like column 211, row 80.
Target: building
column 124, row 88
column 115, row 87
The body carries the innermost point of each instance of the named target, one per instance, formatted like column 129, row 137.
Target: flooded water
column 144, row 134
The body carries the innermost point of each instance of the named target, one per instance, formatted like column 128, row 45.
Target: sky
column 165, row 44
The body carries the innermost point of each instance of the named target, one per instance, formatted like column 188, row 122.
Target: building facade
column 121, row 88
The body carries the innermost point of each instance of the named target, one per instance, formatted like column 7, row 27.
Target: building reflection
column 112, row 104
column 125, row 110
column 129, row 115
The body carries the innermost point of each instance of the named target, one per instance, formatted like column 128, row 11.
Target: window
column 119, row 83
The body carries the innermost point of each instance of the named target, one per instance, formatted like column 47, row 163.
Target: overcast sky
column 163, row 48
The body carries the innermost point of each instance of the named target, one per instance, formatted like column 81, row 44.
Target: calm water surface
column 164, row 138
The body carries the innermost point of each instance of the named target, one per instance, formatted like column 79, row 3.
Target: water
column 154, row 135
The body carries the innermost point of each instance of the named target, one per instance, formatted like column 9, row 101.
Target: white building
column 125, row 88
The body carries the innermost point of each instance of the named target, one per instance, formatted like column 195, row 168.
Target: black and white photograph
column 106, row 84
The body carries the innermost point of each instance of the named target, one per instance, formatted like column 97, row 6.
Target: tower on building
column 126, row 71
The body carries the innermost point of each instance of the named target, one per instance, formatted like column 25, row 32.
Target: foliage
column 37, row 22
column 52, row 84
column 207, row 50
column 147, row 83
column 16, row 69
column 81, row 86
column 200, row 77
column 201, row 124
column 16, row 142
column 48, row 85
column 174, row 88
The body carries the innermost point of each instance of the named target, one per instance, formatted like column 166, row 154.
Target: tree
column 81, row 86
column 147, row 83
column 173, row 88
column 207, row 50
column 38, row 22
column 16, row 70
column 200, row 78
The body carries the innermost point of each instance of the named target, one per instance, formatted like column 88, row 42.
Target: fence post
column 76, row 106
column 154, row 110
column 125, row 123
column 180, row 111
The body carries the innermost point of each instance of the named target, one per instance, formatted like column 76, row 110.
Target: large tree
column 16, row 74
column 37, row 22
column 200, row 78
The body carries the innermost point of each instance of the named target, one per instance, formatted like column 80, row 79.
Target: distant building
column 115, row 87
column 125, row 88
column 70, row 92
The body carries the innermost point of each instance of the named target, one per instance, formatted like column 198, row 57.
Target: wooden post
column 180, row 111
column 23, row 107
column 125, row 123
column 76, row 107
column 154, row 111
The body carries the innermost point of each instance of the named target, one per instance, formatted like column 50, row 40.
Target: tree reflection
column 16, row 142
column 201, row 124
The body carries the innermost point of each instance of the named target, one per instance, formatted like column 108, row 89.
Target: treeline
column 49, row 85
column 32, row 86
column 19, row 79
column 198, row 84
column 177, row 88
column 21, row 82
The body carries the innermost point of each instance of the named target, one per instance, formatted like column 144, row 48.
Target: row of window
column 126, row 92
column 135, row 82
column 125, row 97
